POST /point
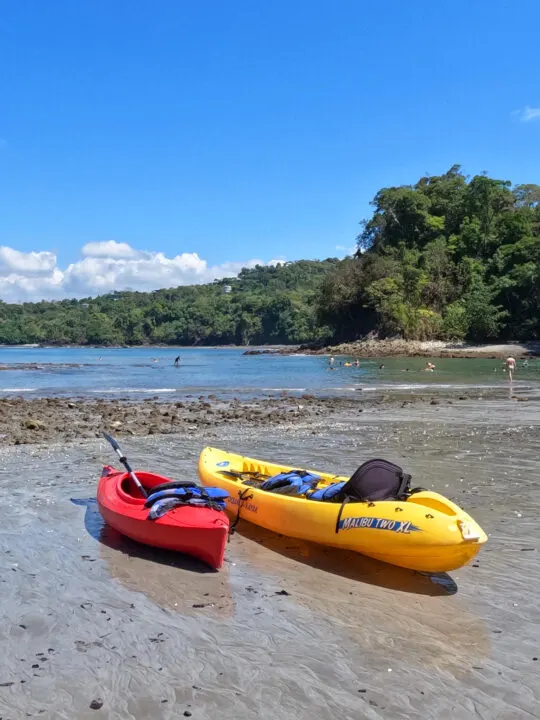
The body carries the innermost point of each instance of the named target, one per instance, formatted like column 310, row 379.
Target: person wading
column 510, row 365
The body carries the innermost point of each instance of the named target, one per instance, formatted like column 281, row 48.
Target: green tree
column 484, row 318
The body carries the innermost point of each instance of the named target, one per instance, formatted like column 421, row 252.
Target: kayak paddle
column 116, row 447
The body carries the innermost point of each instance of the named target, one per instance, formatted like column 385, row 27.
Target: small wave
column 17, row 390
column 280, row 389
column 109, row 391
column 429, row 386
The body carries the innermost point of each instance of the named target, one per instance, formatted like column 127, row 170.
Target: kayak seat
column 374, row 480
column 294, row 483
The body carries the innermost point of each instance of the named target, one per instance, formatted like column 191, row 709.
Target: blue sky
column 245, row 129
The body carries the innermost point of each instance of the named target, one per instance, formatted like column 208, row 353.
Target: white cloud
column 346, row 251
column 108, row 248
column 32, row 263
column 528, row 114
column 105, row 266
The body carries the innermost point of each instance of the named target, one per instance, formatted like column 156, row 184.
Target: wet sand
column 287, row 629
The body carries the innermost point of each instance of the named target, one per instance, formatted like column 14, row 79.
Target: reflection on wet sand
column 361, row 594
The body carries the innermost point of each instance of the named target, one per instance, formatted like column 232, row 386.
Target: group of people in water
column 430, row 367
column 509, row 365
column 355, row 363
column 176, row 361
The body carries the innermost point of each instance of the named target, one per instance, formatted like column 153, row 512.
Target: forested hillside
column 262, row 305
column 446, row 258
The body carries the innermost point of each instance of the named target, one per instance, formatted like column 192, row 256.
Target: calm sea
column 227, row 372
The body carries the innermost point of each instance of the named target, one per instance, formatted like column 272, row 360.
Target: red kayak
column 191, row 529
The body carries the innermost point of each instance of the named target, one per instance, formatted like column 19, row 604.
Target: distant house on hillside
column 226, row 289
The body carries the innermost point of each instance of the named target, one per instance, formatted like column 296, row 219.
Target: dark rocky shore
column 40, row 420
column 44, row 420
column 374, row 348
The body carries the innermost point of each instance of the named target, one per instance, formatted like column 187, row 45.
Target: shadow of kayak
column 170, row 579
column 108, row 536
column 345, row 563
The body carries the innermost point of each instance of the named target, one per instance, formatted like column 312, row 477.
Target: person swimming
column 430, row 367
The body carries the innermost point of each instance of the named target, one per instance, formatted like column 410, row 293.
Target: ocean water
column 227, row 372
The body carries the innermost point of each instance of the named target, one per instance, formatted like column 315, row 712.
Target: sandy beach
column 286, row 629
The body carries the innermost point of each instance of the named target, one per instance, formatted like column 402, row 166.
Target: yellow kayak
column 426, row 532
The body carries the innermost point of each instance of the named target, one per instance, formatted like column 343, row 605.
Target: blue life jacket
column 294, row 482
column 328, row 493
column 164, row 500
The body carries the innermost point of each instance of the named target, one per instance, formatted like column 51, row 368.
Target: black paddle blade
column 111, row 441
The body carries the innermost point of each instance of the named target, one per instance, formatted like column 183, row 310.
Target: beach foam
column 109, row 391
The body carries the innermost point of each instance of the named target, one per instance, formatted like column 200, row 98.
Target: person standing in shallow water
column 510, row 365
column 177, row 361
column 331, row 360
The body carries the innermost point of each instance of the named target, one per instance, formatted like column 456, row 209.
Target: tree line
column 266, row 304
column 450, row 257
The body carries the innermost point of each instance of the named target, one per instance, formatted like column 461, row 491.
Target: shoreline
column 412, row 348
column 148, row 346
column 366, row 348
